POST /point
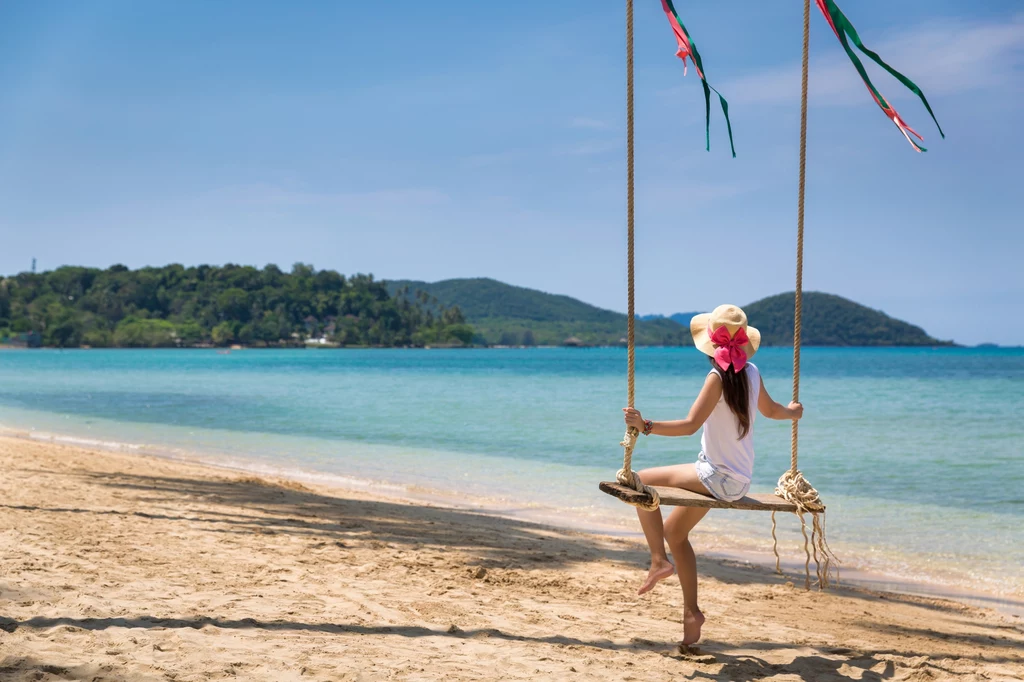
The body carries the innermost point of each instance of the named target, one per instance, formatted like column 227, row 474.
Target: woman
column 725, row 408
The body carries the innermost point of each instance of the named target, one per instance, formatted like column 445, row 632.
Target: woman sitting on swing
column 725, row 408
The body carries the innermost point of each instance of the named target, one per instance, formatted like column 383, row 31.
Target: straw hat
column 729, row 316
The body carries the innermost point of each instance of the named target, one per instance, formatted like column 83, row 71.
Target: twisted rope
column 792, row 485
column 626, row 476
column 798, row 296
column 631, row 322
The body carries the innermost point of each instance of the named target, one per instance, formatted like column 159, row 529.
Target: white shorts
column 723, row 486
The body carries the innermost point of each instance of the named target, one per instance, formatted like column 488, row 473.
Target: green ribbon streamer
column 844, row 27
column 707, row 90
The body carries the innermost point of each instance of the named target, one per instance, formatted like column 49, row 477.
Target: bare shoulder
column 713, row 385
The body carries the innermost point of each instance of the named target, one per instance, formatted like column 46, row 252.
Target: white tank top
column 720, row 441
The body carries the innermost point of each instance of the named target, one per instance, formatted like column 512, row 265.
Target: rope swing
column 792, row 486
column 793, row 493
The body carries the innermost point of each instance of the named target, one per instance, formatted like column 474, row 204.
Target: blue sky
column 467, row 138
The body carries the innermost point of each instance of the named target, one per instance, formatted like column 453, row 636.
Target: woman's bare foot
column 692, row 622
column 659, row 571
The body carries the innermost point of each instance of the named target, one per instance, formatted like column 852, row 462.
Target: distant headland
column 235, row 305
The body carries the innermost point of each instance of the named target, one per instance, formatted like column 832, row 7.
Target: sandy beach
column 121, row 567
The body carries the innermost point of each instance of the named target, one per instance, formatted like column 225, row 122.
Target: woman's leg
column 679, row 476
column 677, row 528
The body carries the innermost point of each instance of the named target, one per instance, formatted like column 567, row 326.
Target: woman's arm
column 699, row 412
column 774, row 410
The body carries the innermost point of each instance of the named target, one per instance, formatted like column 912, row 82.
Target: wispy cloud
column 589, row 148
column 589, row 123
column 496, row 158
column 942, row 57
column 692, row 193
column 583, row 148
column 270, row 195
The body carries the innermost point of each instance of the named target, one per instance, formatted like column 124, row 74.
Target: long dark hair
column 736, row 389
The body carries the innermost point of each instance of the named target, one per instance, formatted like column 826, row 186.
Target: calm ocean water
column 919, row 453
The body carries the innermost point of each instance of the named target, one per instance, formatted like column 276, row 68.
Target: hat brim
column 699, row 332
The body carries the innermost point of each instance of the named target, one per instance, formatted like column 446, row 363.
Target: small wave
column 83, row 442
column 304, row 476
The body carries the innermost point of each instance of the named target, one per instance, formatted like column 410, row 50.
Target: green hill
column 508, row 315
column 503, row 314
column 681, row 318
column 216, row 305
column 830, row 320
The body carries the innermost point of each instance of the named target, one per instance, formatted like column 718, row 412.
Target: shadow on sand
column 293, row 509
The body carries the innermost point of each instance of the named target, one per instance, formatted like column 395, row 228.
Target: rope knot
column 629, row 478
column 793, row 487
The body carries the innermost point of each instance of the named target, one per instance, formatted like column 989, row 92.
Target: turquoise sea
column 919, row 453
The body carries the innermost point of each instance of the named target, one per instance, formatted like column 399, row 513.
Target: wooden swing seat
column 678, row 497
